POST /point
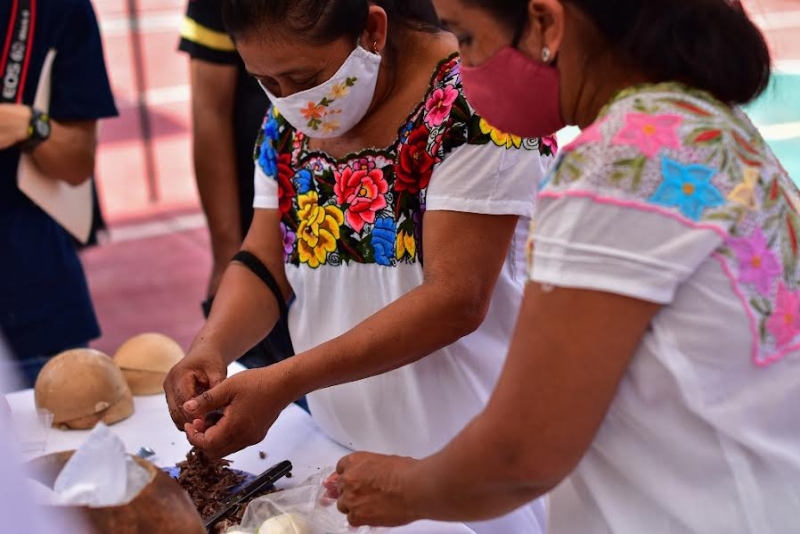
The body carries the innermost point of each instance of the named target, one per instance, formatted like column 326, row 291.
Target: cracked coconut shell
column 162, row 507
column 83, row 387
column 145, row 361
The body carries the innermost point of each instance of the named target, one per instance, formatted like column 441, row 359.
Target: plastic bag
column 305, row 509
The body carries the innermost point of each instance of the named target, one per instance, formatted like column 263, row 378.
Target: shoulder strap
column 257, row 267
column 17, row 47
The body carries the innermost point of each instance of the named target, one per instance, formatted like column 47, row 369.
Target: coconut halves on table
column 145, row 361
column 81, row 388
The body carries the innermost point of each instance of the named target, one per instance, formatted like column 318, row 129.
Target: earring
column 375, row 47
column 546, row 54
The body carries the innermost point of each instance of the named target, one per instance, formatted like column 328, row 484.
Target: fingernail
column 190, row 405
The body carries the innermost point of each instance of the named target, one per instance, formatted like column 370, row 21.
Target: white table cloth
column 294, row 437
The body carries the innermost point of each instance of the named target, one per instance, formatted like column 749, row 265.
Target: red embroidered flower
column 415, row 164
column 286, row 192
column 364, row 191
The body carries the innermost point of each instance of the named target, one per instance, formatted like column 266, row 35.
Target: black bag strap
column 16, row 50
column 257, row 267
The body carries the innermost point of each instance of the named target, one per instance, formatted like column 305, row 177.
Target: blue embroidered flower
column 384, row 237
column 303, row 181
column 688, row 188
column 272, row 128
column 406, row 131
column 268, row 159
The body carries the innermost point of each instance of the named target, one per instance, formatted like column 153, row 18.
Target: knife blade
column 263, row 481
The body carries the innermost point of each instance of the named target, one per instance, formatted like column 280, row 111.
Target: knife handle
column 263, row 481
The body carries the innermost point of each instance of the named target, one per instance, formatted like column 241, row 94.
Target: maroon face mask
column 515, row 94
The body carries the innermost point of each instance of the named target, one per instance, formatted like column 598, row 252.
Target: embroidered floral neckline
column 442, row 69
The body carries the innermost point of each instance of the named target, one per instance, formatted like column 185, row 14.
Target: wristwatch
column 38, row 130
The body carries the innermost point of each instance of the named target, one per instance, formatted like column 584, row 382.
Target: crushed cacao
column 210, row 483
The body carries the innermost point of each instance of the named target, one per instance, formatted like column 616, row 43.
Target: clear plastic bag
column 305, row 509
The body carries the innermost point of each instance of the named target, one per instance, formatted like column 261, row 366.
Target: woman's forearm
column 480, row 475
column 244, row 312
column 419, row 323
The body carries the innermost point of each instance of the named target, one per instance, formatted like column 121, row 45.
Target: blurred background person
column 45, row 306
column 228, row 108
column 18, row 508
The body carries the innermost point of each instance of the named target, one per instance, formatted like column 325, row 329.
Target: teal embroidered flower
column 688, row 188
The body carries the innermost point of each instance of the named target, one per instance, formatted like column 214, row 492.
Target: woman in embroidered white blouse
column 653, row 383
column 370, row 160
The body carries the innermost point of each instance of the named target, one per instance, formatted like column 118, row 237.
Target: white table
column 294, row 437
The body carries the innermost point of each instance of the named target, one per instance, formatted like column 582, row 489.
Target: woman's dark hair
column 324, row 21
column 707, row 44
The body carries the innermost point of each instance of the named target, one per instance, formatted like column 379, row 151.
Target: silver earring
column 375, row 47
column 546, row 54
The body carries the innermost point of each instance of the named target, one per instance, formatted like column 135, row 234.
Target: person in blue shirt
column 45, row 306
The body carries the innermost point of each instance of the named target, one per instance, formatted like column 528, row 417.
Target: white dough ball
column 285, row 524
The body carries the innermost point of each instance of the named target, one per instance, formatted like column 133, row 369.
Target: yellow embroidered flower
column 338, row 91
column 318, row 229
column 744, row 194
column 406, row 244
column 330, row 126
column 500, row 138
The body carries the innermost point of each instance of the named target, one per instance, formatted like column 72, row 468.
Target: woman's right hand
column 198, row 372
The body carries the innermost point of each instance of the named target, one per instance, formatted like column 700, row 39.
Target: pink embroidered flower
column 784, row 323
column 650, row 133
column 363, row 164
column 590, row 134
column 364, row 192
column 757, row 263
column 439, row 105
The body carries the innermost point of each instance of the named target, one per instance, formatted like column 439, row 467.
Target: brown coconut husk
column 162, row 507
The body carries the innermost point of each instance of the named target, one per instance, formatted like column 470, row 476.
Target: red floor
column 156, row 283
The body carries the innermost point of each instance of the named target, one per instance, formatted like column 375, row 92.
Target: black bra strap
column 257, row 267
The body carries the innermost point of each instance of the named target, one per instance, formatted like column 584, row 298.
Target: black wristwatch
column 38, row 130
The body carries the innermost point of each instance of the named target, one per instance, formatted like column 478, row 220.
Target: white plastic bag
column 305, row 509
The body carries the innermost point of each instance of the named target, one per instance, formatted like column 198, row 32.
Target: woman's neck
column 413, row 49
column 599, row 87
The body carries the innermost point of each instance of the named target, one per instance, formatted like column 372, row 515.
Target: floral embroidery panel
column 368, row 207
column 680, row 153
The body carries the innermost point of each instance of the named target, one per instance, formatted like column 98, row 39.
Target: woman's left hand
column 376, row 490
column 249, row 403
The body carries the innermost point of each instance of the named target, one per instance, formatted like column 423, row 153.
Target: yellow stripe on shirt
column 197, row 33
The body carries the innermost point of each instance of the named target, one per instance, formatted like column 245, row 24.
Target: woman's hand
column 377, row 490
column 249, row 403
column 195, row 374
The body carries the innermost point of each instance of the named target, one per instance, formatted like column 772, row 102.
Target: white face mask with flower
column 336, row 106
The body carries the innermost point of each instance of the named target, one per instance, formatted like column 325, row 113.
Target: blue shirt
column 44, row 300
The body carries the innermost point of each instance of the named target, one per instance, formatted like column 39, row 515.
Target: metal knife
column 263, row 481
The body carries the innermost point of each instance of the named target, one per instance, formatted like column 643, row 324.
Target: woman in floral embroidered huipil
column 654, row 379
column 395, row 217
